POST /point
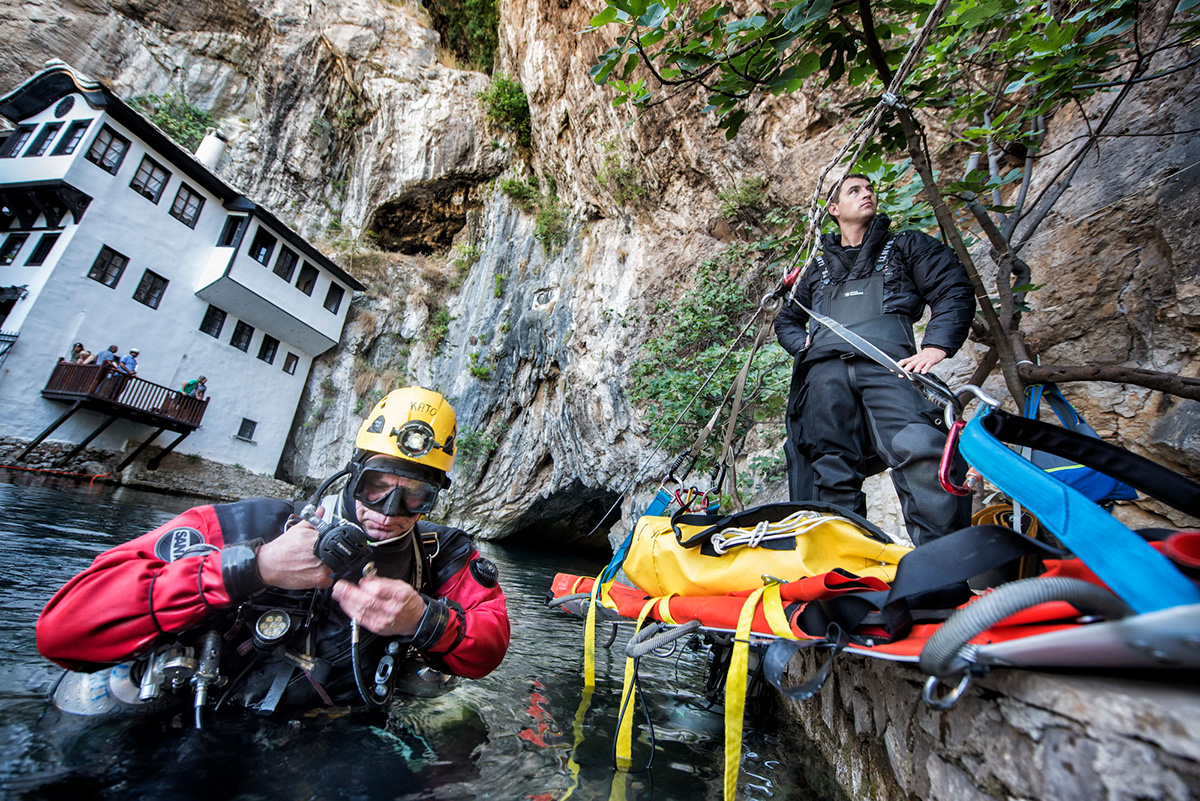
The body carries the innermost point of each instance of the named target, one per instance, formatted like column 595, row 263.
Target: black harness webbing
column 1153, row 479
column 932, row 577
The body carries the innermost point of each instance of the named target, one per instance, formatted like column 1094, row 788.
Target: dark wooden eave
column 27, row 201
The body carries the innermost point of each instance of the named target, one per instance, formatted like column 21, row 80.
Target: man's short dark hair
column 837, row 190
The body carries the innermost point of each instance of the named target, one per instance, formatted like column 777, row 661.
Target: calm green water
column 509, row 736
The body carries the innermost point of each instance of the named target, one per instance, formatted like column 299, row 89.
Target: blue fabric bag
column 1093, row 484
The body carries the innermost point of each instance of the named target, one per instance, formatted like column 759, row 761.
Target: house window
column 268, row 348
column 246, row 430
column 12, row 246
column 108, row 150
column 151, row 289
column 285, row 265
column 44, row 246
column 150, row 179
column 213, row 322
column 187, row 205
column 231, row 233
column 108, row 267
column 261, row 247
column 333, row 298
column 308, row 279
column 241, row 336
column 16, row 140
column 72, row 138
column 289, row 363
column 41, row 142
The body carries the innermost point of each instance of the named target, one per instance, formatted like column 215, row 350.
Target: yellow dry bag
column 695, row 554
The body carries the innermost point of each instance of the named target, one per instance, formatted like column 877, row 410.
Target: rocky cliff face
column 348, row 120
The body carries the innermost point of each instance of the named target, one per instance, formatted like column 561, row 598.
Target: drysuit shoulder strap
column 446, row 551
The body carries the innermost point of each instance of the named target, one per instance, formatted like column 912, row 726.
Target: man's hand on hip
column 924, row 361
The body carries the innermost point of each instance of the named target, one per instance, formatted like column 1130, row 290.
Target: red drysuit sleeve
column 477, row 633
column 132, row 595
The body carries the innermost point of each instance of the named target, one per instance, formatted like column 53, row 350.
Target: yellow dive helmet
column 413, row 424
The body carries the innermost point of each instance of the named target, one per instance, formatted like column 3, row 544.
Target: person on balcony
column 129, row 363
column 73, row 355
column 195, row 388
column 111, row 375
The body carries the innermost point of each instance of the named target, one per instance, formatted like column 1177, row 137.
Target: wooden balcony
column 119, row 397
column 128, row 397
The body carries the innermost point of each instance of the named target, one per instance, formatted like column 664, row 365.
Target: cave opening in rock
column 425, row 218
column 574, row 519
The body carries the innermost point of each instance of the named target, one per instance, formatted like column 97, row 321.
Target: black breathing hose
column 946, row 653
column 367, row 695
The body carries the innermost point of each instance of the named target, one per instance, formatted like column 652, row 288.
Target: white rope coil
column 795, row 524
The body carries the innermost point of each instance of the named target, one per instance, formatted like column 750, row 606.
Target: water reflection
column 514, row 735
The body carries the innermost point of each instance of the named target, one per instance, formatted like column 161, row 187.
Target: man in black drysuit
column 849, row 416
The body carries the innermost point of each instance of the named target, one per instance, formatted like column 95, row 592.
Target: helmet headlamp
column 415, row 438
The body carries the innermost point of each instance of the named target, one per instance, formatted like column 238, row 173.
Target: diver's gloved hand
column 288, row 562
column 388, row 607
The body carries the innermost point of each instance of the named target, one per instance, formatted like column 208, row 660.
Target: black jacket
column 921, row 272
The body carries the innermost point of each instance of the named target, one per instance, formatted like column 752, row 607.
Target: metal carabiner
column 982, row 396
column 948, row 460
column 949, row 699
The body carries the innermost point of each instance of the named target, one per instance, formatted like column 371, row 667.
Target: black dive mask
column 389, row 487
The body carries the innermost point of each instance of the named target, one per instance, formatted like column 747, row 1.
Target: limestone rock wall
column 347, row 120
column 1013, row 735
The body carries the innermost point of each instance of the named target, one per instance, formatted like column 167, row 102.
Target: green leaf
column 1016, row 85
column 809, row 63
column 750, row 23
column 652, row 38
column 653, row 17
column 604, row 17
column 795, row 19
column 805, row 14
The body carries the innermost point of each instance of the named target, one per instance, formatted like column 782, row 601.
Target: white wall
column 263, row 281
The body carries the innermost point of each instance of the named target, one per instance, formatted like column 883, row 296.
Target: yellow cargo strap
column 664, row 610
column 625, row 712
column 620, row 784
column 773, row 609
column 735, row 693
column 589, row 639
column 572, row 765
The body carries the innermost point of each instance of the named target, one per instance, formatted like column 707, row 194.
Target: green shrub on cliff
column 469, row 29
column 505, row 103
column 178, row 119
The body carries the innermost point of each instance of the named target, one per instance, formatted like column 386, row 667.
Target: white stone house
column 110, row 233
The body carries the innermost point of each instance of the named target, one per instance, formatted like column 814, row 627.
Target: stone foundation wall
column 191, row 475
column 1015, row 734
column 178, row 474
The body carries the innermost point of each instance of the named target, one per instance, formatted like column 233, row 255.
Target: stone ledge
column 178, row 474
column 1014, row 735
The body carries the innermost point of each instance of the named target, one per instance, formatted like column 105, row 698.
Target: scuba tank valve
column 207, row 671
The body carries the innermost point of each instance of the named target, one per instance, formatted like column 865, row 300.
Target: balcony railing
column 127, row 396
